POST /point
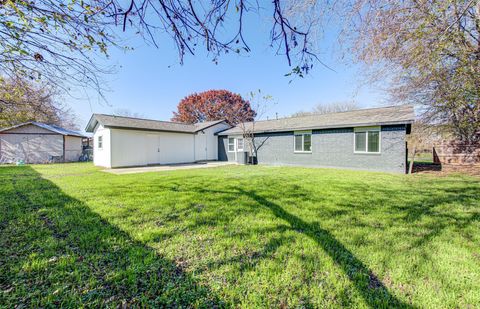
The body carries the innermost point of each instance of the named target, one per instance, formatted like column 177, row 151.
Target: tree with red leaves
column 214, row 105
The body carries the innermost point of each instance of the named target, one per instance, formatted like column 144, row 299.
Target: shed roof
column 402, row 114
column 50, row 127
column 122, row 122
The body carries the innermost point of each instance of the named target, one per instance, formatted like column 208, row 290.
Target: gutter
column 320, row 127
column 150, row 130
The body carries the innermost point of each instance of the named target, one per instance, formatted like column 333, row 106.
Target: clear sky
column 151, row 82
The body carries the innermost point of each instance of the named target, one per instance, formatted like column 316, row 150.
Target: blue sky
column 151, row 82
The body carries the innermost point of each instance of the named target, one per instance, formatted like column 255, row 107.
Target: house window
column 303, row 142
column 367, row 140
column 100, row 142
column 240, row 146
column 231, row 144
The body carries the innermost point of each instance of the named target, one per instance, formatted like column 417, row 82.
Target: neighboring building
column 125, row 141
column 34, row 142
column 368, row 139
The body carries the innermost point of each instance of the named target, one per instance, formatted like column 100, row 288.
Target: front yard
column 237, row 236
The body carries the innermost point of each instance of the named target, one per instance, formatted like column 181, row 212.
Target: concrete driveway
column 168, row 167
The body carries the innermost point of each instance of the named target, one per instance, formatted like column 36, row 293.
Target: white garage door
column 200, row 146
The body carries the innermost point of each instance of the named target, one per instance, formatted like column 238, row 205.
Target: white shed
column 125, row 141
column 35, row 142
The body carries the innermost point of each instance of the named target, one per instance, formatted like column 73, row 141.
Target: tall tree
column 60, row 41
column 214, row 105
column 333, row 107
column 57, row 42
column 429, row 51
column 424, row 52
column 22, row 101
column 261, row 103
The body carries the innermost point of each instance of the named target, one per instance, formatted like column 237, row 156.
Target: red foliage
column 214, row 105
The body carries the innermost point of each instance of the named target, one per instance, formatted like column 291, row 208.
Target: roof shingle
column 49, row 127
column 402, row 114
column 146, row 124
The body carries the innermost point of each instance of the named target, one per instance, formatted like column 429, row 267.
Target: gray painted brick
column 331, row 148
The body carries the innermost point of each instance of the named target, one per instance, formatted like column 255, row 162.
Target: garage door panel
column 176, row 148
column 131, row 148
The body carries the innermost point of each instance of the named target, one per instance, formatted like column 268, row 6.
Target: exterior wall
column 201, row 146
column 73, row 148
column 123, row 147
column 223, row 153
column 333, row 148
column 33, row 144
column 31, row 147
column 206, row 142
column 135, row 148
column 102, row 157
column 222, row 148
column 176, row 148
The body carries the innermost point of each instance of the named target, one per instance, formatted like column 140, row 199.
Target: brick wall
column 331, row 148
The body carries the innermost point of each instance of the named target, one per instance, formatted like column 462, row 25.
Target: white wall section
column 133, row 147
column 102, row 157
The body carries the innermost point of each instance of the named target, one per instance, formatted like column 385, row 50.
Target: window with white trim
column 367, row 140
column 303, row 142
column 240, row 143
column 100, row 142
column 231, row 144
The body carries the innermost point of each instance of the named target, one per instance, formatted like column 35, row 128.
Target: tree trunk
column 410, row 168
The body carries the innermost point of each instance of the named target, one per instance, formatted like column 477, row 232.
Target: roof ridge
column 218, row 120
column 342, row 112
column 148, row 119
column 164, row 121
column 47, row 126
column 395, row 114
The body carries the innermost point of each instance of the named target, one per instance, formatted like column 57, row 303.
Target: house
column 367, row 139
column 125, row 141
column 35, row 142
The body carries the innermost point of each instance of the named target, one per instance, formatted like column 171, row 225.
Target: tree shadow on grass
column 432, row 212
column 372, row 290
column 54, row 251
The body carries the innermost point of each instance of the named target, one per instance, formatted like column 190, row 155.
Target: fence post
column 410, row 168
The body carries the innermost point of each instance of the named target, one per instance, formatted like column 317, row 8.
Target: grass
column 423, row 157
column 237, row 236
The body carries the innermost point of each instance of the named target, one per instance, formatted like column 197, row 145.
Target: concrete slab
column 169, row 167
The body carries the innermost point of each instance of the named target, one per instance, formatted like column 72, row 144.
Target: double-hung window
column 303, row 142
column 231, row 144
column 100, row 142
column 367, row 140
column 240, row 144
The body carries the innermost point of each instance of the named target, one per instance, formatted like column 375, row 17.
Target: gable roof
column 121, row 122
column 402, row 114
column 207, row 124
column 50, row 127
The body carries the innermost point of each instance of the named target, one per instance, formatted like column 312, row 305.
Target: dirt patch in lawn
column 446, row 169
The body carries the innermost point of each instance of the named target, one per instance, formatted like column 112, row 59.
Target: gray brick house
column 367, row 139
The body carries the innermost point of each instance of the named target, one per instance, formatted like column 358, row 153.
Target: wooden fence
column 457, row 154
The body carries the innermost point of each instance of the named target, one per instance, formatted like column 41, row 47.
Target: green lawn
column 237, row 236
column 423, row 157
